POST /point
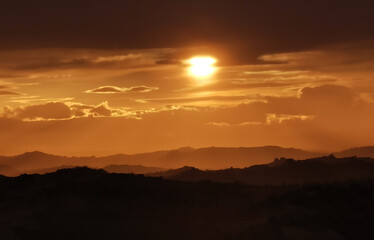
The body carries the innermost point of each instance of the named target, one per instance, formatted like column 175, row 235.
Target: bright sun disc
column 202, row 66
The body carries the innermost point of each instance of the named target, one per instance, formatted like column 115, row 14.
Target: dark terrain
column 82, row 203
column 317, row 198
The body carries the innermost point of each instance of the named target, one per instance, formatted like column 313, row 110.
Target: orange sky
column 94, row 100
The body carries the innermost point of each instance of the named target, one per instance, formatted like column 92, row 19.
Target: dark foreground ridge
column 82, row 203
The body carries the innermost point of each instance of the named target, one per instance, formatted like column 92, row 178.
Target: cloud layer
column 63, row 111
column 328, row 117
column 247, row 28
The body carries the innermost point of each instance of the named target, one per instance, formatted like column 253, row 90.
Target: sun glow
column 202, row 66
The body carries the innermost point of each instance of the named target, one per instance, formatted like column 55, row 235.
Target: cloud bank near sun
column 324, row 117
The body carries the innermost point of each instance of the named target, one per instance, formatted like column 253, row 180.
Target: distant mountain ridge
column 366, row 151
column 283, row 171
column 203, row 158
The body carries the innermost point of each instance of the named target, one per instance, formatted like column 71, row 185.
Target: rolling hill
column 213, row 158
column 367, row 151
column 203, row 158
column 283, row 171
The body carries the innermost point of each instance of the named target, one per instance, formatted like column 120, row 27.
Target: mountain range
column 283, row 171
column 212, row 158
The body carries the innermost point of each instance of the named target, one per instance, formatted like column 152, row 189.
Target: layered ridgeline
column 283, row 171
column 202, row 158
column 213, row 158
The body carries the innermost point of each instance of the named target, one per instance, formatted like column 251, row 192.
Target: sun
column 202, row 66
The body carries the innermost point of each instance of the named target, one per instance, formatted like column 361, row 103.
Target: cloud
column 339, row 58
column 224, row 124
column 141, row 89
column 326, row 102
column 8, row 92
column 64, row 111
column 52, row 110
column 103, row 109
column 4, row 90
column 311, row 120
column 270, row 119
column 213, row 99
column 116, row 58
column 55, row 59
column 114, row 89
column 179, row 23
column 106, row 90
column 36, row 100
column 275, row 118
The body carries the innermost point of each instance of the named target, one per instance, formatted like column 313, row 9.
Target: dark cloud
column 114, row 89
column 167, row 61
column 101, row 110
column 53, row 60
column 105, row 90
column 141, row 89
column 8, row 92
column 322, row 101
column 333, row 95
column 64, row 111
column 247, row 28
column 52, row 110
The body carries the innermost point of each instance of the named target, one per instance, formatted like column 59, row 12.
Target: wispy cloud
column 117, row 58
column 114, row 89
column 8, row 92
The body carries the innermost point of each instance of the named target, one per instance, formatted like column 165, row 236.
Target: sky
column 104, row 77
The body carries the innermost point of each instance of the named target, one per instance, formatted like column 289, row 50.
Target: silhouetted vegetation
column 82, row 203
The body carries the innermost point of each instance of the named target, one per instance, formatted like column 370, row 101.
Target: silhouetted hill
column 203, row 158
column 35, row 160
column 284, row 171
column 219, row 157
column 174, row 172
column 367, row 151
column 209, row 158
column 83, row 203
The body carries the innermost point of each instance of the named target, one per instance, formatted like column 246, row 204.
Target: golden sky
column 80, row 98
